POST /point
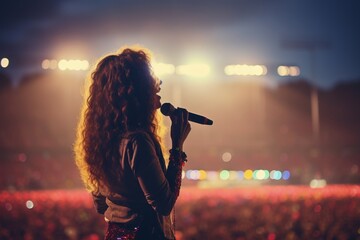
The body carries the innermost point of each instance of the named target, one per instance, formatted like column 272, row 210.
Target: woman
column 118, row 149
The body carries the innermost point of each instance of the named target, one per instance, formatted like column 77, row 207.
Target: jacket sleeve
column 100, row 203
column 159, row 190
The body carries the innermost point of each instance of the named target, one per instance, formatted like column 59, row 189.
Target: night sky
column 219, row 32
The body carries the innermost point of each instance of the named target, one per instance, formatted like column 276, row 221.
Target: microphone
column 168, row 109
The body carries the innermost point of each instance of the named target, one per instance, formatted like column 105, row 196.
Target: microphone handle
column 199, row 119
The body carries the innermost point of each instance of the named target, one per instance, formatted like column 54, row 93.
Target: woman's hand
column 180, row 127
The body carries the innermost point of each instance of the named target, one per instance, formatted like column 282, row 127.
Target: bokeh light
column 286, row 175
column 224, row 175
column 162, row 69
column 248, row 174
column 202, row 175
column 318, row 183
column 29, row 204
column 75, row 65
column 245, row 70
column 260, row 174
column 193, row 70
column 240, row 175
column 45, row 64
column 292, row 71
column 226, row 157
column 4, row 62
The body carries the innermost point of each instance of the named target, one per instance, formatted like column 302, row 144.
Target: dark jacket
column 146, row 191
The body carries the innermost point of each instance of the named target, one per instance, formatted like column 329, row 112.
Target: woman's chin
column 158, row 105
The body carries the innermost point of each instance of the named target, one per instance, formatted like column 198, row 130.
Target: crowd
column 38, row 171
column 270, row 213
column 57, row 170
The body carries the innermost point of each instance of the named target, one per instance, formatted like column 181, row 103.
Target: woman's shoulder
column 137, row 134
column 138, row 137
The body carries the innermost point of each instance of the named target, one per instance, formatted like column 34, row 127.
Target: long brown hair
column 121, row 99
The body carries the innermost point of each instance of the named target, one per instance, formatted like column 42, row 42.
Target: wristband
column 177, row 154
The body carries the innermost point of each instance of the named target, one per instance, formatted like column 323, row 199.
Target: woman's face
column 158, row 98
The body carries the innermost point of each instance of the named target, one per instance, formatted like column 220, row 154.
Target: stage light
column 240, row 175
column 194, row 175
column 267, row 174
column 248, row 174
column 74, row 65
column 264, row 69
column 254, row 174
column 278, row 175
column 45, row 64
column 283, row 71
column 273, row 174
column 226, row 157
column 260, row 174
column 62, row 65
column 224, row 175
column 49, row 64
column 294, row 71
column 29, row 204
column 318, row 183
column 161, row 69
column 202, row 175
column 245, row 70
column 4, row 62
column 188, row 174
column 288, row 71
column 286, row 175
column 193, row 70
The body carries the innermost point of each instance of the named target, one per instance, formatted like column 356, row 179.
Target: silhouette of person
column 118, row 148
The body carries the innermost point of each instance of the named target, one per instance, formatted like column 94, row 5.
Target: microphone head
column 167, row 109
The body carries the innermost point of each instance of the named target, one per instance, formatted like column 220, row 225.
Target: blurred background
column 280, row 79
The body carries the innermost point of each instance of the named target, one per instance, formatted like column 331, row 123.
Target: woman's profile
column 118, row 148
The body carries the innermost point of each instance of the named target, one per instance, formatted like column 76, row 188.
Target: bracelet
column 177, row 154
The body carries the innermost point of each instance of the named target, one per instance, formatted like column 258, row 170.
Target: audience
column 277, row 212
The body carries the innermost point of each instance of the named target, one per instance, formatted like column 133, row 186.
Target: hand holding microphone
column 180, row 127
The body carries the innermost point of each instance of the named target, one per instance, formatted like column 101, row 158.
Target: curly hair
column 121, row 99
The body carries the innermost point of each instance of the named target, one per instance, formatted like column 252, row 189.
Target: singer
column 119, row 150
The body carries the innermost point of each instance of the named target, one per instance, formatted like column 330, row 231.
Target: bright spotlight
column 63, row 65
column 288, row 71
column 73, row 65
column 245, row 70
column 194, row 70
column 283, row 71
column 4, row 62
column 161, row 69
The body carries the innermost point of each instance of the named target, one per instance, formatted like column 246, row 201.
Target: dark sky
column 221, row 32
